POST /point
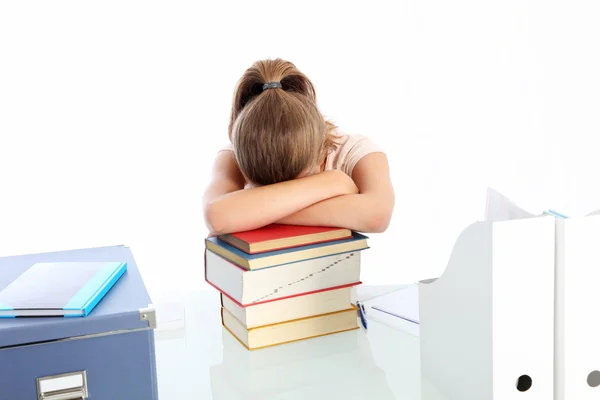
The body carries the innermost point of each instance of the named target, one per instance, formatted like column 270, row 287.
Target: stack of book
column 284, row 283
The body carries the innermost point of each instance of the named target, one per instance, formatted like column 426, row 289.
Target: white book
column 250, row 288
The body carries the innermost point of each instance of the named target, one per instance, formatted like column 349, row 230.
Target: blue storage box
column 107, row 355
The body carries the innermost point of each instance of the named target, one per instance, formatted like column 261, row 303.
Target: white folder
column 487, row 324
column 577, row 353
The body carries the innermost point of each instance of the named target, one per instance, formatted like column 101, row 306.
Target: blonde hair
column 277, row 133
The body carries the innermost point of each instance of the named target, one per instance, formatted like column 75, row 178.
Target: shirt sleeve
column 358, row 147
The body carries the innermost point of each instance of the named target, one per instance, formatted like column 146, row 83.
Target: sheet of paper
column 500, row 208
column 398, row 309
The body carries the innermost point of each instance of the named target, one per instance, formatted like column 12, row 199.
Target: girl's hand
column 343, row 182
column 375, row 200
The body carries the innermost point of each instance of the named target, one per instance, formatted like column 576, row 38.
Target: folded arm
column 229, row 208
column 368, row 211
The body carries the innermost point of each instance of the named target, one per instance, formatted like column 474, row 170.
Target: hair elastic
column 272, row 85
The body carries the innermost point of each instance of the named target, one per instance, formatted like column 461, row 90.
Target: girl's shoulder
column 350, row 148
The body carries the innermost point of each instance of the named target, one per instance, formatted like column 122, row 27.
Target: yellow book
column 290, row 331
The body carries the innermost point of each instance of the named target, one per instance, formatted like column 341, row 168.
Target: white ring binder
column 487, row 324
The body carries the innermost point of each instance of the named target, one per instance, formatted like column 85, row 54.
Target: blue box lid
column 118, row 310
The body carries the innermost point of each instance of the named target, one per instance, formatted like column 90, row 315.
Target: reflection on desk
column 341, row 365
column 204, row 361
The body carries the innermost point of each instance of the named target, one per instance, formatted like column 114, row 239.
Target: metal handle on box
column 71, row 386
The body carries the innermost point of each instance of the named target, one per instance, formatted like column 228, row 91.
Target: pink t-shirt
column 349, row 151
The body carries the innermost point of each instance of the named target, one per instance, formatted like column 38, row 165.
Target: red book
column 276, row 237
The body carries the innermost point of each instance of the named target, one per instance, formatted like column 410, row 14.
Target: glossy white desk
column 203, row 361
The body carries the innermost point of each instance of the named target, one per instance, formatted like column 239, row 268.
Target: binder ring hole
column 593, row 379
column 524, row 383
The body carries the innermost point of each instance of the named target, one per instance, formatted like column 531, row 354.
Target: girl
column 286, row 164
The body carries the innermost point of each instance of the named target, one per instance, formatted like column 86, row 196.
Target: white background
column 111, row 114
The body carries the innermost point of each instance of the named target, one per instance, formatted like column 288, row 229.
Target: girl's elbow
column 378, row 224
column 214, row 220
column 379, row 221
column 380, row 215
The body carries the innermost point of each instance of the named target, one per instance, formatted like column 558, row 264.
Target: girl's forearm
column 358, row 212
column 253, row 208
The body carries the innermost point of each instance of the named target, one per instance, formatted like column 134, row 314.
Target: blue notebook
column 59, row 289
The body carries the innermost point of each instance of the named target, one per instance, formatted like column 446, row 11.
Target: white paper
column 501, row 208
column 398, row 309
